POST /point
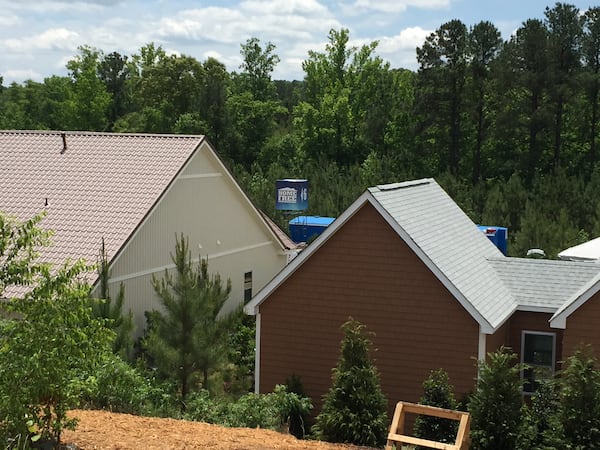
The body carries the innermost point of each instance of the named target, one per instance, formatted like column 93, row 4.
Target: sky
column 38, row 37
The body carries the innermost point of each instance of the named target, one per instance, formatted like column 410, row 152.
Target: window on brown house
column 538, row 356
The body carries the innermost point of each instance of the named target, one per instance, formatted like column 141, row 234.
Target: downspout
column 481, row 348
column 257, row 354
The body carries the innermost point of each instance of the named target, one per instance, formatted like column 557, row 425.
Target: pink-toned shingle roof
column 100, row 185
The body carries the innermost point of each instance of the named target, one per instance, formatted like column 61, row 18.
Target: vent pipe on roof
column 64, row 139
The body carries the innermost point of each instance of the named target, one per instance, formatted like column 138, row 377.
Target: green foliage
column 437, row 392
column 52, row 340
column 112, row 310
column 19, row 243
column 270, row 411
column 187, row 340
column 542, row 429
column 117, row 386
column 354, row 408
column 496, row 405
column 580, row 400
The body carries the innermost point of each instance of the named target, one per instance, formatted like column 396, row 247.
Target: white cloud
column 397, row 6
column 9, row 20
column 54, row 38
column 309, row 8
column 21, row 74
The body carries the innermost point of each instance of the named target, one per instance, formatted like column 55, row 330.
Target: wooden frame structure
column 396, row 435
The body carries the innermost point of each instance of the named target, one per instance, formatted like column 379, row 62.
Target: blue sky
column 38, row 37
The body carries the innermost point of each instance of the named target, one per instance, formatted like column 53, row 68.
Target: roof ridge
column 101, row 133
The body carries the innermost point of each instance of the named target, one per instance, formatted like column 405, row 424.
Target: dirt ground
column 102, row 430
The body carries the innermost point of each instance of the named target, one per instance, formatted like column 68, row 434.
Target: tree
column 484, row 43
column 440, row 93
column 437, row 392
column 495, row 406
column 90, row 99
column 564, row 46
column 257, row 66
column 112, row 310
column 591, row 80
column 580, row 399
column 114, row 71
column 189, row 338
column 354, row 408
column 19, row 244
column 51, row 345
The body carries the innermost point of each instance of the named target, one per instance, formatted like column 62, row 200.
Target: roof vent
column 406, row 184
column 64, row 139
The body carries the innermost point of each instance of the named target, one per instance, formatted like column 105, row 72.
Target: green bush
column 354, row 408
column 437, row 392
column 270, row 411
column 119, row 387
column 496, row 404
column 542, row 429
column 580, row 400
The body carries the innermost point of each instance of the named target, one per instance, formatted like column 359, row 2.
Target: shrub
column 542, row 429
column 52, row 339
column 437, row 392
column 580, row 400
column 270, row 411
column 354, row 408
column 495, row 406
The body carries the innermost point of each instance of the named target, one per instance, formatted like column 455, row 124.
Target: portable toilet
column 498, row 235
column 303, row 228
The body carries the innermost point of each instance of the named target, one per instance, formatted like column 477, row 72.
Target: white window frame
column 552, row 366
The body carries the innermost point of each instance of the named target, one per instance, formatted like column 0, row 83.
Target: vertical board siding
column 204, row 209
column 366, row 271
column 582, row 327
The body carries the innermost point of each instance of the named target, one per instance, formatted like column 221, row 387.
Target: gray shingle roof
column 542, row 284
column 452, row 242
column 101, row 185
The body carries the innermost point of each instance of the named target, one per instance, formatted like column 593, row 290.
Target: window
column 247, row 287
column 538, row 355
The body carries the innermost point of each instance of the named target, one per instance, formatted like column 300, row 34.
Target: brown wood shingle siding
column 366, row 271
column 583, row 327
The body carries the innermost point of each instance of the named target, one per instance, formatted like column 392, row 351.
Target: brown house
column 408, row 263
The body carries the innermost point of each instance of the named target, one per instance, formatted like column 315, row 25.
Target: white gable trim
column 559, row 319
column 252, row 306
column 203, row 145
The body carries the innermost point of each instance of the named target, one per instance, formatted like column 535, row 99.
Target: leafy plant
column 354, row 408
column 437, row 392
column 495, row 406
column 51, row 340
column 580, row 399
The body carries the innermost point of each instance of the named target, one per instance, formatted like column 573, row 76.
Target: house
column 137, row 192
column 588, row 251
column 410, row 265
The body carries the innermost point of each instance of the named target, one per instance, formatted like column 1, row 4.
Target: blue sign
column 291, row 195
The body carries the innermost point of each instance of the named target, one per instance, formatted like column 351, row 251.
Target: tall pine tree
column 188, row 339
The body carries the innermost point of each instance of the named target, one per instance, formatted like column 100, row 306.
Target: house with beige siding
column 410, row 265
column 137, row 192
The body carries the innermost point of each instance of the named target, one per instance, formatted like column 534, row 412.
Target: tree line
column 508, row 127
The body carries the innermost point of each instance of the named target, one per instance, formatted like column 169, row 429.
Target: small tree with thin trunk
column 495, row 406
column 112, row 309
column 354, row 408
column 187, row 340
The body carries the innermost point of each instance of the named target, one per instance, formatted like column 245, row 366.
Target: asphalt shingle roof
column 451, row 241
column 543, row 284
column 100, row 185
